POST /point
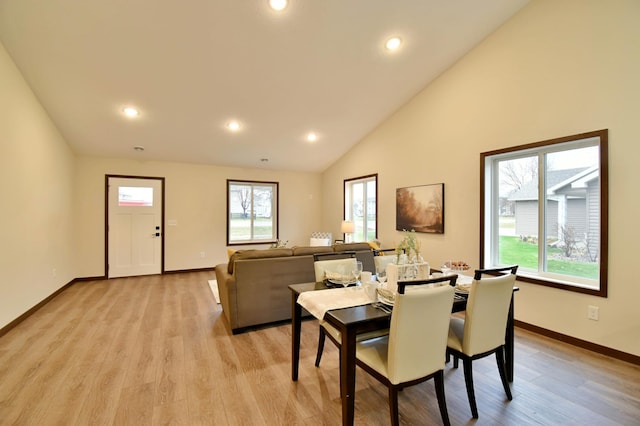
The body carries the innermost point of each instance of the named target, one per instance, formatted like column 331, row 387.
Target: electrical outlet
column 202, row 254
column 54, row 272
column 593, row 312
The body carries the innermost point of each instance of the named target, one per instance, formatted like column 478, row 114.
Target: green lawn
column 262, row 228
column 514, row 251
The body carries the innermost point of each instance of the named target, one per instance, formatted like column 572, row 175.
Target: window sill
column 562, row 285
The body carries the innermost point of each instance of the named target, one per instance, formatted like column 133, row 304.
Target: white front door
column 134, row 227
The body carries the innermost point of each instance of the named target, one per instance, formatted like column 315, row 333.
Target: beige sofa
column 253, row 286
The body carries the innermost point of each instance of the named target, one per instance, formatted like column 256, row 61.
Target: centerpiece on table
column 409, row 244
column 409, row 264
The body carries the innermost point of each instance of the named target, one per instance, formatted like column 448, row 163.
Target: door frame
column 106, row 218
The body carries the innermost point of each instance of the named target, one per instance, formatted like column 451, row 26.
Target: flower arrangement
column 408, row 244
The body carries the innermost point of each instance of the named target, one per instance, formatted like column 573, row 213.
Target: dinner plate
column 385, row 296
column 340, row 283
column 385, row 301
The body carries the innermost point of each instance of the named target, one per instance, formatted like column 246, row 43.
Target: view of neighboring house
column 571, row 205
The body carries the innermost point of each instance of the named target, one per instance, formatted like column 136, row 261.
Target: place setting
column 344, row 278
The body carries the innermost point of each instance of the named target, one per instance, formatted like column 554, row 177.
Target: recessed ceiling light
column 312, row 137
column 131, row 112
column 278, row 4
column 234, row 126
column 393, row 43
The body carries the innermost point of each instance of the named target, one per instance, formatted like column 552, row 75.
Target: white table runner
column 464, row 279
column 321, row 301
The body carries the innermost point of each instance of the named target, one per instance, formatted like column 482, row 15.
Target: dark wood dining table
column 361, row 319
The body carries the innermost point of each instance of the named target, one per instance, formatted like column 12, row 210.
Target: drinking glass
column 357, row 272
column 381, row 274
column 346, row 280
column 446, row 268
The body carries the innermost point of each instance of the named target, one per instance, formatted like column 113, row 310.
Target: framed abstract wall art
column 420, row 208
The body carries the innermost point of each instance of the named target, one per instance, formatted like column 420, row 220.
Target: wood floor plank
column 157, row 350
column 136, row 406
column 170, row 377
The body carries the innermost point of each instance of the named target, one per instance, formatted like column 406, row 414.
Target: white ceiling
column 192, row 65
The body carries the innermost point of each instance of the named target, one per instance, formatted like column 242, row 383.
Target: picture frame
column 420, row 208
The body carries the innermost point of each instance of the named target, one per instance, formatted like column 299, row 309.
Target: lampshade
column 347, row 227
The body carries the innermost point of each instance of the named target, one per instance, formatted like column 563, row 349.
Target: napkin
column 333, row 275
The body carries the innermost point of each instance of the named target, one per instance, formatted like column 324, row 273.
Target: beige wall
column 195, row 197
column 558, row 68
column 36, row 184
column 52, row 215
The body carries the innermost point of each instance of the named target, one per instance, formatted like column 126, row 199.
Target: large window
column 361, row 206
column 544, row 207
column 252, row 212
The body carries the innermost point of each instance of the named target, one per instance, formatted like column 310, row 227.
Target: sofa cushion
column 257, row 254
column 303, row 251
column 352, row 247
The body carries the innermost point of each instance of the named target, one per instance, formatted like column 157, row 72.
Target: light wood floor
column 156, row 350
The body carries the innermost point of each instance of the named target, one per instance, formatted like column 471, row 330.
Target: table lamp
column 347, row 229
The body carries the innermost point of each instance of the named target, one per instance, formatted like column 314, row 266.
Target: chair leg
column 393, row 405
column 321, row 338
column 468, row 380
column 442, row 402
column 503, row 372
column 455, row 361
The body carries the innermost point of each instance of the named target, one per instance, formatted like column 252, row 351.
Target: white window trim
column 274, row 212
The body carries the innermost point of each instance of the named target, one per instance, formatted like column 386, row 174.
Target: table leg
column 296, row 314
column 509, row 346
column 348, row 375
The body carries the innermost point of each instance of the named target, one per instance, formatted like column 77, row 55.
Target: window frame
column 348, row 210
column 489, row 202
column 274, row 209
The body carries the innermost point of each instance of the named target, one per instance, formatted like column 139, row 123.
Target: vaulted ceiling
column 191, row 67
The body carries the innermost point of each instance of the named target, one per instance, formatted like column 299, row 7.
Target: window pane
column 518, row 212
column 371, row 211
column 357, row 196
column 263, row 223
column 135, row 196
column 572, row 212
column 239, row 212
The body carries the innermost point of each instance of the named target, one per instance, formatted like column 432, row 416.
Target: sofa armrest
column 228, row 294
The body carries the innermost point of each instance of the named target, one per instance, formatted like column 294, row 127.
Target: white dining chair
column 414, row 351
column 482, row 330
column 341, row 265
column 381, row 262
